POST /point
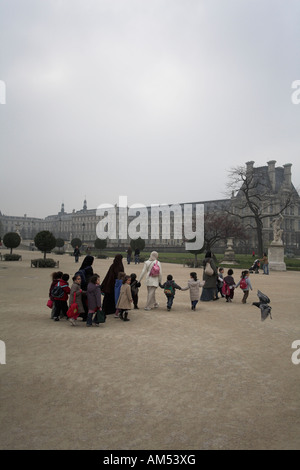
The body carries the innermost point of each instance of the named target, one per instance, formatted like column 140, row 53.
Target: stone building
column 274, row 181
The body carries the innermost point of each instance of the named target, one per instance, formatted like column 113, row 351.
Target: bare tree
column 217, row 227
column 220, row 226
column 254, row 195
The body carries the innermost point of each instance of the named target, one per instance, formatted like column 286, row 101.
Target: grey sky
column 153, row 99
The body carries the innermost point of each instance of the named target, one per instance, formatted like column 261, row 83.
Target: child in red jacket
column 60, row 294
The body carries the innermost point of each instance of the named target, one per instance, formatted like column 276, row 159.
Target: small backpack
column 225, row 289
column 243, row 283
column 169, row 289
column 155, row 270
column 57, row 291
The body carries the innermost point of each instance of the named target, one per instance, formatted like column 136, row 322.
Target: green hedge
column 44, row 263
column 12, row 257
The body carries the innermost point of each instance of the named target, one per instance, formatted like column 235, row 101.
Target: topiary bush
column 43, row 263
column 12, row 257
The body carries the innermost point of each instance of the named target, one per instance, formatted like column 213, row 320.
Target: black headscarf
column 88, row 261
column 108, row 283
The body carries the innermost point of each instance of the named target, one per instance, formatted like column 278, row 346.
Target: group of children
column 226, row 285
column 126, row 294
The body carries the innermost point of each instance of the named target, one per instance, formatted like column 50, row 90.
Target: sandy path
column 216, row 378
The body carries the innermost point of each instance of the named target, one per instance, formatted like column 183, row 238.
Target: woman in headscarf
column 152, row 282
column 108, row 285
column 85, row 272
column 210, row 286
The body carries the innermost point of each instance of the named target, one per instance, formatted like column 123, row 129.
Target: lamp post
column 83, row 227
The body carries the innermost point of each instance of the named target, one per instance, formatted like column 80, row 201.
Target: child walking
column 245, row 285
column 118, row 285
column 220, row 282
column 135, row 284
column 93, row 298
column 61, row 301
column 194, row 285
column 55, row 278
column 125, row 299
column 76, row 296
column 229, row 285
column 169, row 289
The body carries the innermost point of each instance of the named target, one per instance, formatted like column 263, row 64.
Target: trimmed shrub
column 44, row 263
column 12, row 257
column 11, row 240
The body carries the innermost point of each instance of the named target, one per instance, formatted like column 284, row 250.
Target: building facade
column 272, row 182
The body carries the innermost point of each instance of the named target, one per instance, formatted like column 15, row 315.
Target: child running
column 169, row 289
column 245, row 285
column 194, row 285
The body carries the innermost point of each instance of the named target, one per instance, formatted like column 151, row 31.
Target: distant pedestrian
column 129, row 253
column 137, row 256
column 169, row 287
column 76, row 253
column 265, row 262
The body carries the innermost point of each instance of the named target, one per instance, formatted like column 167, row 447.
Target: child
column 55, row 277
column 245, row 285
column 194, row 285
column 60, row 301
column 93, row 298
column 135, row 284
column 125, row 299
column 220, row 282
column 169, row 289
column 118, row 285
column 75, row 289
column 229, row 281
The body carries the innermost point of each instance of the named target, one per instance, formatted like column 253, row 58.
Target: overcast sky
column 150, row 99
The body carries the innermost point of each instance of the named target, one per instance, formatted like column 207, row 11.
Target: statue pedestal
column 276, row 257
column 229, row 255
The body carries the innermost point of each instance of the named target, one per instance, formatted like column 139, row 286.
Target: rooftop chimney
column 287, row 172
column 249, row 167
column 271, row 173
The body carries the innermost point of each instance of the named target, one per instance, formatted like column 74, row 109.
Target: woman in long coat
column 210, row 286
column 108, row 285
column 85, row 272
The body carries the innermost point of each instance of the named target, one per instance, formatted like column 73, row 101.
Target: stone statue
column 277, row 231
